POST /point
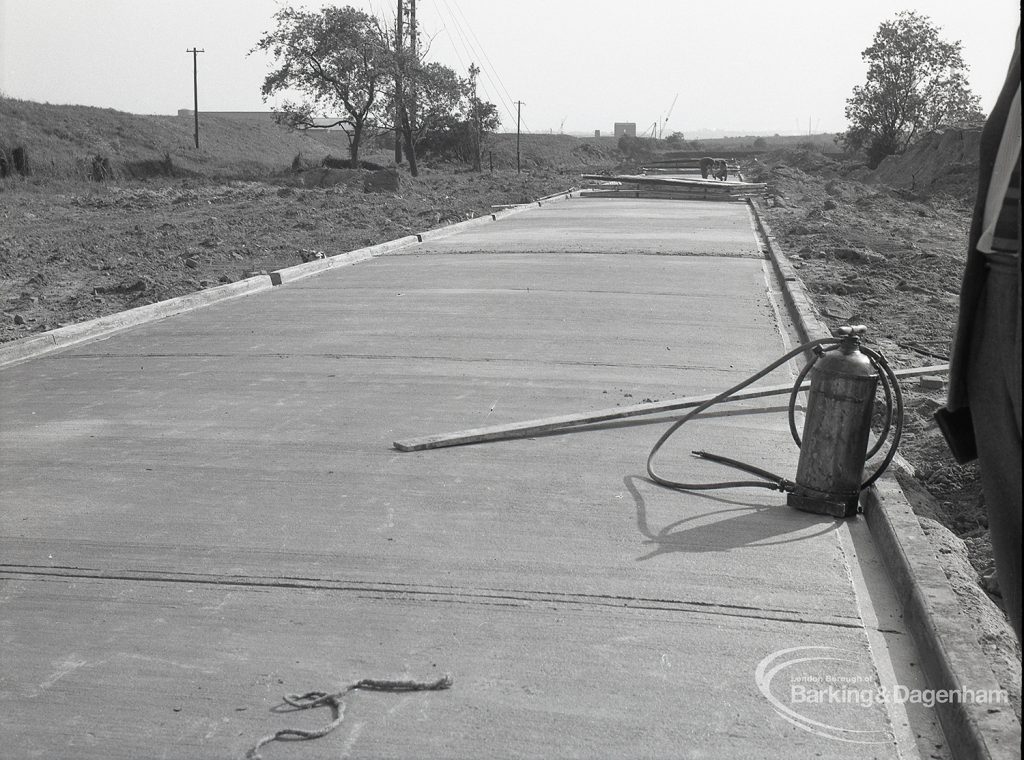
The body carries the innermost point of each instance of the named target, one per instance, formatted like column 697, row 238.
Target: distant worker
column 720, row 170
column 706, row 164
column 982, row 416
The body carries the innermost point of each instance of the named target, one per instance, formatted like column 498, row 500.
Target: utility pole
column 195, row 87
column 405, row 105
column 478, row 131
column 519, row 109
column 415, row 61
column 399, row 35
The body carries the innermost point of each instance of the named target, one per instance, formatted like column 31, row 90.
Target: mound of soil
column 941, row 162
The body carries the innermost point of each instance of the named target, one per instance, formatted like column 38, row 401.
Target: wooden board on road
column 566, row 421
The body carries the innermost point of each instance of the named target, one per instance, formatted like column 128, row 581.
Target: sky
column 760, row 67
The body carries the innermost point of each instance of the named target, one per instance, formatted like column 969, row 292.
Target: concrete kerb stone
column 563, row 195
column 947, row 642
column 498, row 215
column 797, row 300
column 297, row 272
column 26, row 348
column 451, row 229
column 61, row 337
column 560, row 196
column 951, row 656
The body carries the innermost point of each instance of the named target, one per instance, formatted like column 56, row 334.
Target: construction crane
column 664, row 122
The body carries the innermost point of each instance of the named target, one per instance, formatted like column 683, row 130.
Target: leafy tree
column 636, row 148
column 915, row 82
column 430, row 100
column 339, row 64
column 479, row 118
column 460, row 133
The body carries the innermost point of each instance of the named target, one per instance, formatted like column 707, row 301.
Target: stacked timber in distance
column 675, row 187
column 682, row 166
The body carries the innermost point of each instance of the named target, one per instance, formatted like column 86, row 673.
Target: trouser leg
column 995, row 393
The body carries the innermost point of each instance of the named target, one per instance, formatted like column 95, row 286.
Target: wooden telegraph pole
column 399, row 34
column 405, row 84
column 519, row 109
column 195, row 87
column 414, row 59
column 478, row 143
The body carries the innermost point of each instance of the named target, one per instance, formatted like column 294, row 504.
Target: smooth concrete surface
column 205, row 513
column 637, row 226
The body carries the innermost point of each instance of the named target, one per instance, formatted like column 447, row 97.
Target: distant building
column 625, row 128
column 597, row 133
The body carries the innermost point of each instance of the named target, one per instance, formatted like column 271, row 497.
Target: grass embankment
column 63, row 140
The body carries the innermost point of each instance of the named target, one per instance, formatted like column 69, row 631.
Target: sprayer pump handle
column 849, row 330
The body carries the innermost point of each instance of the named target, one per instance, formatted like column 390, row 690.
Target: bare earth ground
column 71, row 250
column 892, row 259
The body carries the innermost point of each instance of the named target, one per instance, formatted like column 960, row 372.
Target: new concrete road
column 205, row 513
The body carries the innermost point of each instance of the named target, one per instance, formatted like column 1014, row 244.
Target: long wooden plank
column 730, row 198
column 676, row 181
column 549, row 424
column 680, row 189
column 686, row 184
column 665, row 179
column 667, row 194
column 680, row 164
column 685, row 172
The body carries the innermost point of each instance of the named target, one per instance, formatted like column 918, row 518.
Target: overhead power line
column 462, row 35
column 483, row 50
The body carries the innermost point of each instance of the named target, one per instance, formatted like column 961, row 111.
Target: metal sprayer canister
column 837, row 425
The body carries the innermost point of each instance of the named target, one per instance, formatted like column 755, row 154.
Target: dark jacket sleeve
column 955, row 419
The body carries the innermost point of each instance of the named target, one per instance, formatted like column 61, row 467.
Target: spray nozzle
column 850, row 336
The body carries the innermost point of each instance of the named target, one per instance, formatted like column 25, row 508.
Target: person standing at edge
column 982, row 415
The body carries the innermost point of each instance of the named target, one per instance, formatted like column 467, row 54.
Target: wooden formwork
column 669, row 186
column 696, row 195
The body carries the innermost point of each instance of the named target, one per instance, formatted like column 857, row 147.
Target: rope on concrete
column 313, row 699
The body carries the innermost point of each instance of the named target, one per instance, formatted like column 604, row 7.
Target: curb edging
column 297, row 272
column 61, row 337
column 32, row 346
column 797, row 299
column 947, row 643
column 951, row 656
